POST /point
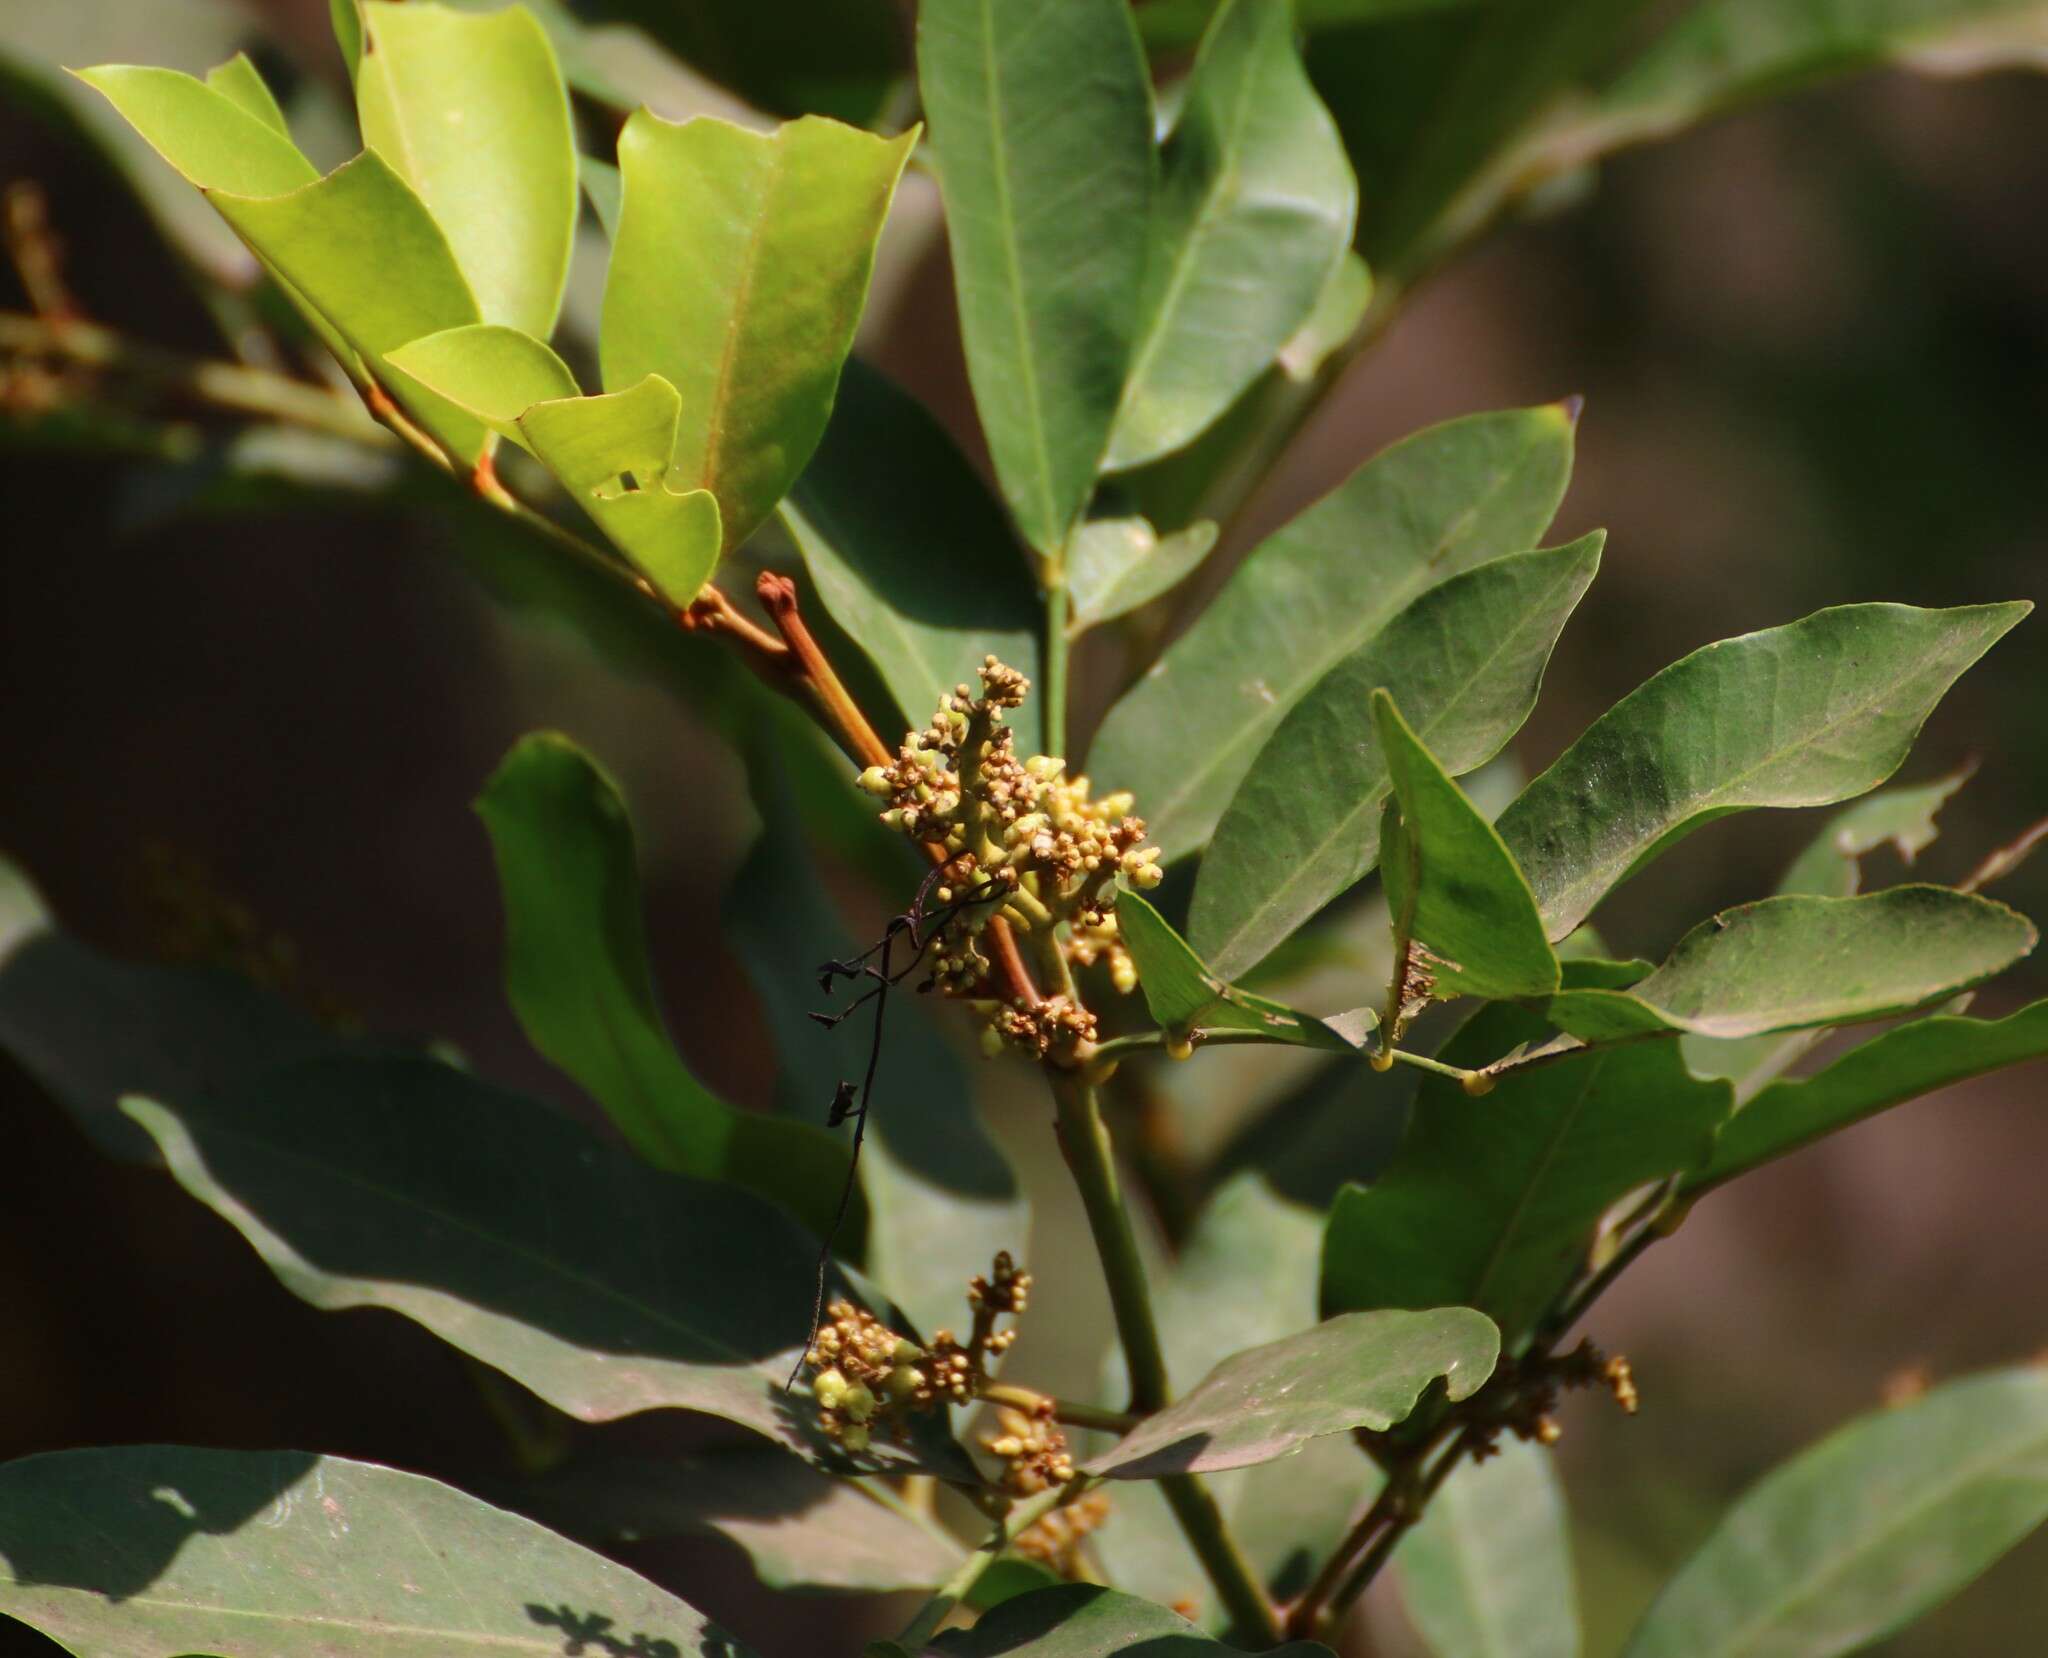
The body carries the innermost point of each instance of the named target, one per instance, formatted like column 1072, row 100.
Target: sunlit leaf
column 241, row 83
column 491, row 372
column 1339, row 309
column 1114, row 565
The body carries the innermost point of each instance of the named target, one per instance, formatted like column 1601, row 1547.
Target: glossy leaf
column 1114, row 565
column 1788, row 963
column 738, row 274
column 1185, row 997
column 1487, row 1571
column 577, row 975
column 1255, row 210
column 512, row 1233
column 1901, row 818
column 208, row 136
column 347, row 17
column 801, row 1528
column 493, row 373
column 1804, row 715
column 146, row 1550
column 1900, row 1065
column 928, row 581
column 611, row 454
column 1041, row 122
column 1464, row 660
column 1317, row 592
column 242, row 84
column 927, row 1164
column 1453, row 887
column 470, row 110
column 1860, row 1534
column 1079, row 1620
column 1493, row 1201
column 1359, row 1370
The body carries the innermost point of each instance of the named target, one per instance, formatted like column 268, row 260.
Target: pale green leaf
column 491, row 372
column 1487, row 1571
column 1079, row 1620
column 1465, row 661
column 1450, row 882
column 1255, row 210
column 577, row 974
column 469, row 108
column 1901, row 818
column 1493, row 1201
column 606, row 191
column 209, row 137
column 1186, row 998
column 1359, row 1370
column 1788, row 963
column 1339, row 309
column 1900, row 1065
column 927, row 581
column 1860, row 1534
column 738, row 274
column 611, row 453
column 347, row 18
column 146, row 1550
column 1041, row 123
column 242, row 84
column 1317, row 592
column 1114, row 565
column 1804, row 715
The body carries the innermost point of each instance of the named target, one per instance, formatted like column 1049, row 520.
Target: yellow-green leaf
column 242, row 84
column 491, row 372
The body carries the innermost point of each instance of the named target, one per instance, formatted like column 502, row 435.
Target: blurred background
column 244, row 710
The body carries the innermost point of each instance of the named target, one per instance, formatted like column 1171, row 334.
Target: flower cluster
column 1054, row 1540
column 1021, row 840
column 1033, row 1449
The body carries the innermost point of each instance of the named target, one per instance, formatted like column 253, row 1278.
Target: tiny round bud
column 858, row 1402
column 903, row 1381
column 829, row 1389
column 876, row 780
column 854, row 1436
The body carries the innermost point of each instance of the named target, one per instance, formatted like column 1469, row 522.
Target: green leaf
column 1359, row 1370
column 1901, row 818
column 800, row 1528
column 469, row 108
column 1255, row 211
column 241, row 83
column 1487, row 1571
column 1114, row 565
column 347, row 18
column 1246, row 1273
column 1888, row 1070
column 1788, row 963
column 611, row 454
column 1493, row 1201
column 1317, row 592
column 738, row 274
column 1079, row 1620
column 1804, row 715
column 1451, row 882
column 1186, row 998
column 577, row 975
column 153, row 1549
column 927, row 1164
column 927, row 581
column 1465, row 659
column 1339, row 309
column 209, row 137
column 512, row 1233
column 1857, row 1536
column 1042, row 127
column 490, row 372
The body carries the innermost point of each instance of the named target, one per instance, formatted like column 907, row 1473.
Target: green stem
column 1071, row 1412
column 1058, row 610
column 1084, row 1139
column 1021, row 1517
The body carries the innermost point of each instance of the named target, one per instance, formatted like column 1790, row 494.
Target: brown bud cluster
column 1057, row 1025
column 1034, row 1450
column 1055, row 1540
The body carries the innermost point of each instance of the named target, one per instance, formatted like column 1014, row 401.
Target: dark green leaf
column 1487, row 1571
column 1493, row 1201
column 1358, row 1370
column 151, row 1549
column 1078, row 1620
column 1900, row 1065
column 926, row 581
column 470, row 110
column 1317, row 592
column 1464, row 660
column 1857, row 1536
column 1042, row 126
column 1451, row 884
column 738, row 275
column 1255, row 211
column 1115, row 565
column 1804, row 715
column 576, row 973
column 1185, row 997
column 1788, row 963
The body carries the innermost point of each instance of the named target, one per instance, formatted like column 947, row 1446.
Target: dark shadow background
column 1814, row 345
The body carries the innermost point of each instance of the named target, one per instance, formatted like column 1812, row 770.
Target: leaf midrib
column 710, row 464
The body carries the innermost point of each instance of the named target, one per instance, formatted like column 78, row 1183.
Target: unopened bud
column 876, row 780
